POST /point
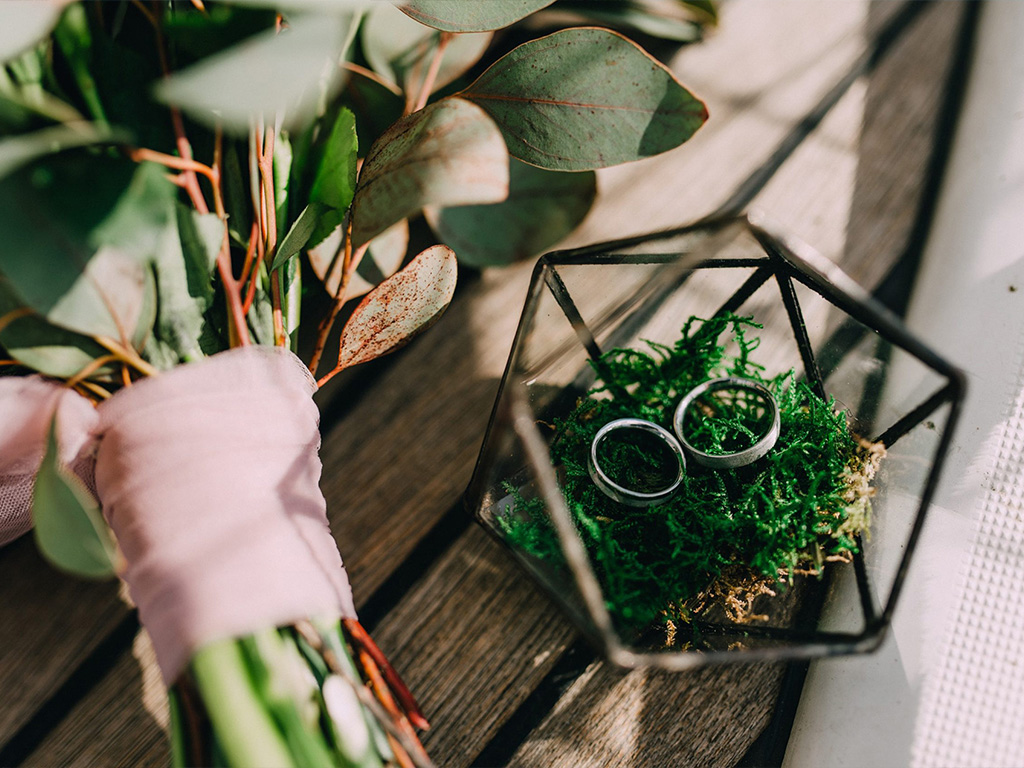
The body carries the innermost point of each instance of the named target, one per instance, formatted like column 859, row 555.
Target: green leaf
column 542, row 208
column 638, row 16
column 334, row 176
column 473, row 16
column 184, row 268
column 450, row 153
column 298, row 235
column 16, row 151
column 147, row 310
column 44, row 347
column 705, row 10
column 69, row 528
column 23, row 24
column 281, row 171
column 382, row 259
column 78, row 230
column 585, row 98
column 74, row 40
column 288, row 73
column 401, row 49
column 400, row 308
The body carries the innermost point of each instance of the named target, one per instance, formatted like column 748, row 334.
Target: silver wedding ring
column 738, row 458
column 680, row 446
column 621, row 493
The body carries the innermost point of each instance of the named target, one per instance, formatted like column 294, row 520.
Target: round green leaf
column 542, row 208
column 585, row 98
column 268, row 74
column 69, row 528
column 401, row 49
column 450, row 153
column 471, row 15
column 78, row 232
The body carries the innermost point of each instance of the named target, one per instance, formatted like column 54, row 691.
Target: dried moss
column 725, row 535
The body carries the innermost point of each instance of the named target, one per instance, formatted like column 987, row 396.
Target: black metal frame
column 788, row 262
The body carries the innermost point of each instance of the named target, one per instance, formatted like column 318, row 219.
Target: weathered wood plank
column 402, row 456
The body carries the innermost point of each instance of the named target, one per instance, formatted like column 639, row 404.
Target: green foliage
column 460, row 16
column 785, row 512
column 69, row 529
column 96, row 247
column 542, row 207
column 334, row 174
column 401, row 49
column 447, row 154
column 557, row 109
column 78, row 231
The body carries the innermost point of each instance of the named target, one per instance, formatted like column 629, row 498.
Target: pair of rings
column 680, row 446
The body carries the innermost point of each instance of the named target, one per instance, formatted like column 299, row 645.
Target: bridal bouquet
column 191, row 195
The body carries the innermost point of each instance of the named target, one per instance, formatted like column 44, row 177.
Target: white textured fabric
column 945, row 689
column 972, row 708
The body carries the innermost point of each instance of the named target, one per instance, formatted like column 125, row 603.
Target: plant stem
column 435, row 66
column 242, row 726
column 369, row 74
column 126, row 355
column 348, row 265
column 362, row 638
column 189, row 180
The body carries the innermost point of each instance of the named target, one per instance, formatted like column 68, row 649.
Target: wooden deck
column 833, row 118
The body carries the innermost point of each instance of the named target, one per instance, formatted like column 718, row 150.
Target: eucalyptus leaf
column 585, row 98
column 635, row 16
column 73, row 38
column 542, row 208
column 298, row 235
column 147, row 309
column 400, row 308
column 287, row 73
column 382, row 259
column 334, row 177
column 401, row 49
column 78, row 230
column 17, row 150
column 471, row 15
column 69, row 528
column 43, row 347
column 184, row 268
column 450, row 153
column 705, row 10
column 23, row 23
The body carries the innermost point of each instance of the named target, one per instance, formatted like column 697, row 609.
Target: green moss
column 790, row 511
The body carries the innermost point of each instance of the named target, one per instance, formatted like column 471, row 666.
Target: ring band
column 620, row 493
column 739, row 458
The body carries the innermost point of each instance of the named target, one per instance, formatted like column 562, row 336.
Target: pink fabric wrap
column 209, row 477
column 27, row 406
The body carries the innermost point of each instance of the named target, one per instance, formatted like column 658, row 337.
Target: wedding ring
column 625, row 495
column 738, row 458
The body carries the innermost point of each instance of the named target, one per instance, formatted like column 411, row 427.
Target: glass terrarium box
column 797, row 549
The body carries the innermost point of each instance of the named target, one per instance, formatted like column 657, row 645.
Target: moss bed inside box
column 726, row 537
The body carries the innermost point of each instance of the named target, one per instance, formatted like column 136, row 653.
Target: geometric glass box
column 814, row 319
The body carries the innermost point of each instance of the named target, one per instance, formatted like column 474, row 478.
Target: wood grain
column 471, row 637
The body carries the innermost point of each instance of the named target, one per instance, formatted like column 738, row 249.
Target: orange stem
column 405, row 697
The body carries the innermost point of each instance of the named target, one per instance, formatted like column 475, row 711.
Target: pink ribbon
column 209, row 477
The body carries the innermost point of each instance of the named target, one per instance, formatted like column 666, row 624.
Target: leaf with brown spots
column 400, row 308
column 450, row 153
